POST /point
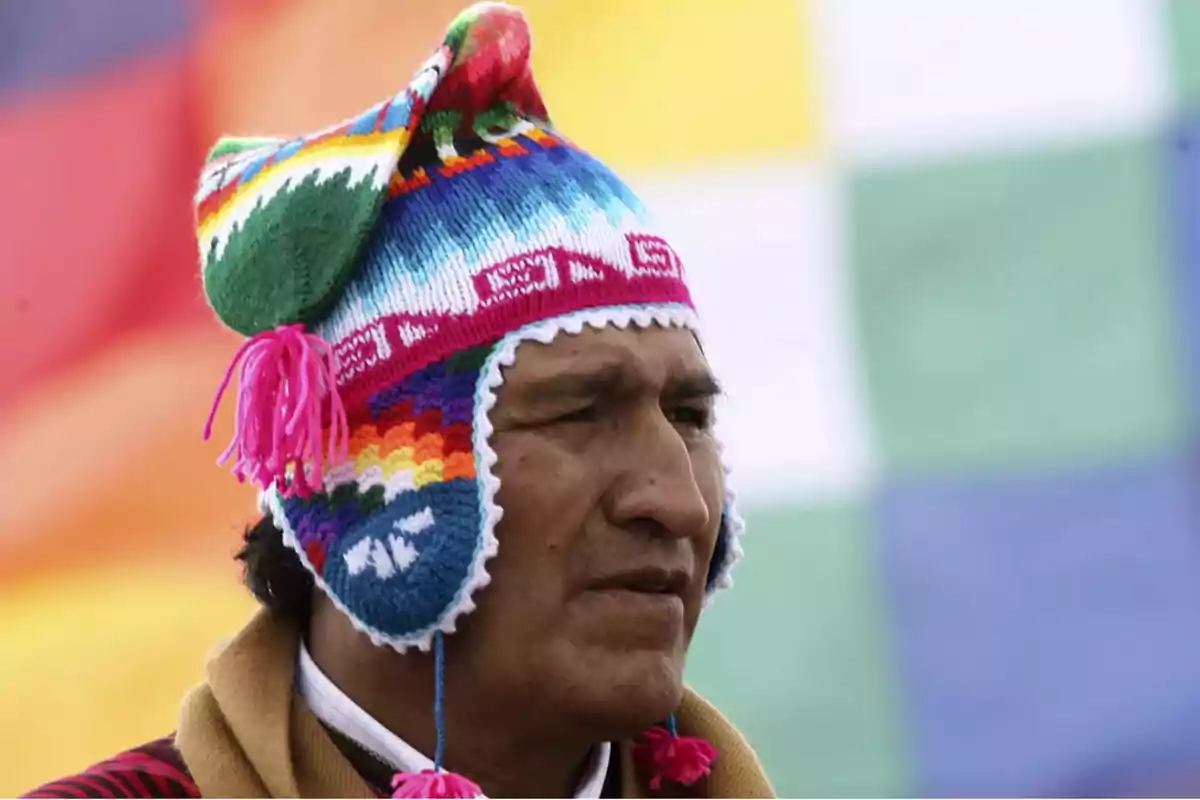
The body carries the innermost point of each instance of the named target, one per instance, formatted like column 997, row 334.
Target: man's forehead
column 653, row 354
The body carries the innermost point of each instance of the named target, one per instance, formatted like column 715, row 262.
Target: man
column 474, row 399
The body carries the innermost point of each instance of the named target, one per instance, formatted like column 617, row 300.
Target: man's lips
column 646, row 580
column 642, row 607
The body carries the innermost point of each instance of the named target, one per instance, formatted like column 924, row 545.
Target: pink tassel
column 679, row 759
column 285, row 375
column 433, row 783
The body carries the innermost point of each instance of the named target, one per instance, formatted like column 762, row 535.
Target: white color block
column 401, row 481
column 358, row 557
column 370, row 552
column 403, row 553
column 761, row 246
column 381, row 560
column 922, row 77
column 415, row 523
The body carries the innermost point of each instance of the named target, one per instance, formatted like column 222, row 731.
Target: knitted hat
column 385, row 270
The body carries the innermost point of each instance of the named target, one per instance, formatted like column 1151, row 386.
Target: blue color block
column 365, row 123
column 1048, row 628
column 398, row 114
column 44, row 42
column 1183, row 167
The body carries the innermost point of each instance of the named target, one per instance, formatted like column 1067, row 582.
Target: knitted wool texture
column 424, row 240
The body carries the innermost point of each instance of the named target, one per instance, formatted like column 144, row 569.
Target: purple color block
column 44, row 42
column 1048, row 628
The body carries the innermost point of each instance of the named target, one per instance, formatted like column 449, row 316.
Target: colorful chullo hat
column 385, row 271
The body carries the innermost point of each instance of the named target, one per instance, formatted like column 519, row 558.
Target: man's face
column 611, row 488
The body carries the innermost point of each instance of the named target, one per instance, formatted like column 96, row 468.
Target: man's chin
column 623, row 694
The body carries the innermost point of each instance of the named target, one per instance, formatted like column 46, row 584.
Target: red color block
column 428, row 421
column 394, row 415
column 96, row 216
column 456, row 438
column 316, row 556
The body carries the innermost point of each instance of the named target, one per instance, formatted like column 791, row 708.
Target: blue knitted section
column 459, row 218
column 407, row 602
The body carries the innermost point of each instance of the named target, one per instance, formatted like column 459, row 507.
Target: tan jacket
column 247, row 733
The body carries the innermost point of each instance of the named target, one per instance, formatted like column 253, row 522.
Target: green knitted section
column 238, row 144
column 470, row 360
column 501, row 117
column 456, row 34
column 290, row 259
column 441, row 125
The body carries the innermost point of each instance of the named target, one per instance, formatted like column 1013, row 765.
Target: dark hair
column 273, row 573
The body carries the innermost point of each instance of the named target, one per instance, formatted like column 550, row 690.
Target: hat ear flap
column 282, row 223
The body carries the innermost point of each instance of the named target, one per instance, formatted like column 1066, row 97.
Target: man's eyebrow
column 615, row 379
column 605, row 380
column 694, row 386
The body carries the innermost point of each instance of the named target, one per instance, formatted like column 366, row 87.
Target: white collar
column 331, row 705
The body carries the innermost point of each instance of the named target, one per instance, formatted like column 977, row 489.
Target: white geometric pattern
column 931, row 77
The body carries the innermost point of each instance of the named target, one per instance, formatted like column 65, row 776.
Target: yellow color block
column 398, row 459
column 431, row 471
column 368, row 457
column 647, row 83
column 96, row 662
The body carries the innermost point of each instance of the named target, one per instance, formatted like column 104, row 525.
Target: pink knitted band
column 533, row 286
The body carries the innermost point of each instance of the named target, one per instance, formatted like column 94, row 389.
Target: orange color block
column 361, row 438
column 543, row 138
column 132, row 476
column 459, row 465
column 288, row 68
column 511, row 147
column 400, row 185
column 456, row 165
column 398, row 436
column 429, row 446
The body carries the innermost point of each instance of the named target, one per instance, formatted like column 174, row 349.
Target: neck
column 501, row 748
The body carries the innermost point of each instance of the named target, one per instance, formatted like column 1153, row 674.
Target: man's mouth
column 646, row 580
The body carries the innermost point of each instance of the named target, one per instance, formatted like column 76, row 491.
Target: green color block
column 230, row 145
column 1183, row 19
column 1015, row 310
column 796, row 656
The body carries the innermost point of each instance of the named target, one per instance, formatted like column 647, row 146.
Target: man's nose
column 657, row 482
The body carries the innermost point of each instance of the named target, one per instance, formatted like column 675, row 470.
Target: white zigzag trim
column 490, row 379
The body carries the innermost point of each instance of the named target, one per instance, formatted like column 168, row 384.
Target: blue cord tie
column 439, row 710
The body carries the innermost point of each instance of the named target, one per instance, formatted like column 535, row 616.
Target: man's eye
column 691, row 417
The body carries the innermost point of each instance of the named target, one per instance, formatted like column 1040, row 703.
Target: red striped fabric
column 152, row 770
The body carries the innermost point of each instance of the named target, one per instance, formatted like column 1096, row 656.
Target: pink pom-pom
column 433, row 783
column 286, row 375
column 679, row 759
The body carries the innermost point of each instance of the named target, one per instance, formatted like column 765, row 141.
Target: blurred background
column 949, row 261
